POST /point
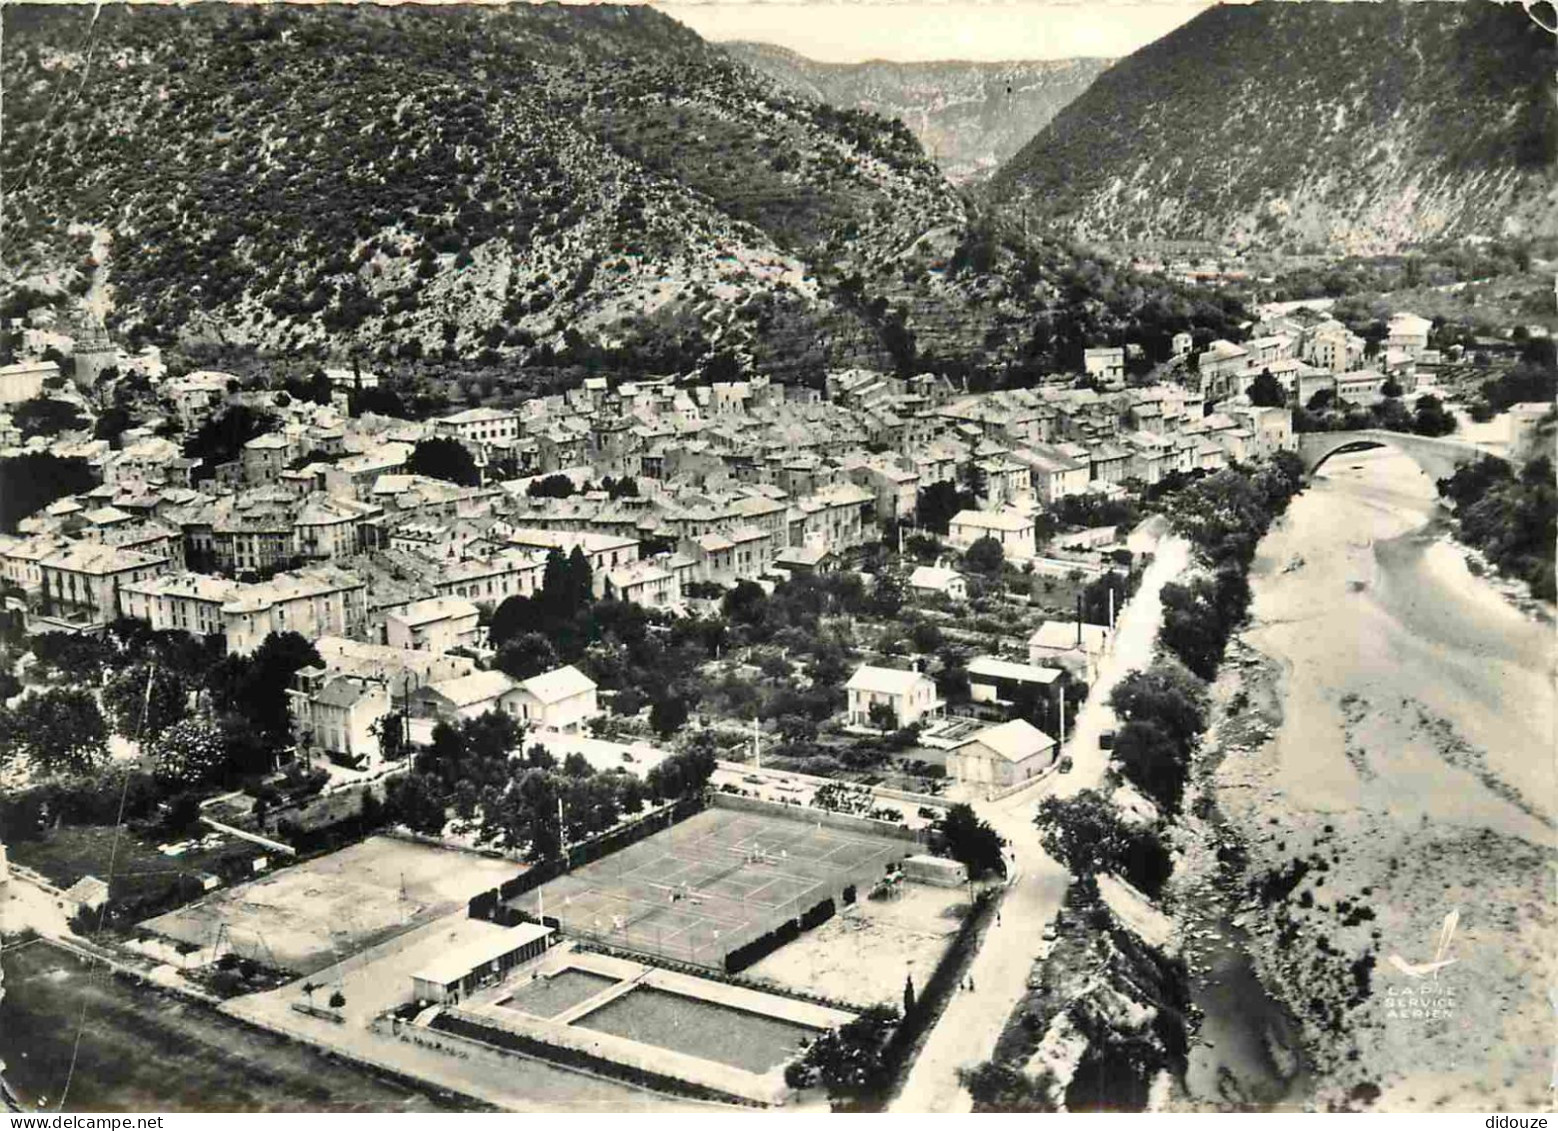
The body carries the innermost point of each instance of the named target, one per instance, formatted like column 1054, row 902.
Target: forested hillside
column 1349, row 126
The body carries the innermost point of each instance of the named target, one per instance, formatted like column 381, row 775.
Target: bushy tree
column 1266, row 391
column 59, row 730
column 443, row 458
column 1087, row 835
column 190, row 753
column 144, row 700
column 851, row 1061
column 32, row 481
column 985, row 556
column 971, row 841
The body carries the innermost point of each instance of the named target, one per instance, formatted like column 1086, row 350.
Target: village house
column 341, row 715
column 81, row 582
column 437, row 624
column 1003, row 755
column 24, row 380
column 1012, row 529
column 1008, row 684
column 939, row 580
column 313, row 602
column 562, row 700
column 1107, row 366
column 179, row 602
column 1075, row 646
column 467, row 697
column 910, row 695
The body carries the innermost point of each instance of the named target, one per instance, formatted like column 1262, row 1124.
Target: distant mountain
column 970, row 117
column 1361, row 126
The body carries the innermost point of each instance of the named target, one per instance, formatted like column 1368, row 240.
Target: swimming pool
column 699, row 1028
column 547, row 997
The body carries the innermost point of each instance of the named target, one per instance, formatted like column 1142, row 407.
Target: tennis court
column 715, row 882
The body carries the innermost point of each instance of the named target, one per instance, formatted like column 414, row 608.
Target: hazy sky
column 848, row 31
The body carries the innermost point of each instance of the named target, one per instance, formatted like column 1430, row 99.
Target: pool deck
column 769, row 1088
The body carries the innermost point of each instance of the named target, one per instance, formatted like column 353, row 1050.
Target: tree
column 939, row 503
column 995, row 1086
column 30, row 482
column 668, row 715
column 1321, row 400
column 144, row 700
column 45, row 416
column 971, row 841
column 417, row 801
column 189, row 753
column 1266, row 391
column 254, row 688
column 851, row 1060
column 221, row 438
column 1166, row 693
column 1429, row 417
column 444, row 458
column 985, row 556
column 1391, row 387
column 1088, row 836
column 59, row 730
column 1153, row 761
column 337, row 999
column 882, row 716
column 527, row 655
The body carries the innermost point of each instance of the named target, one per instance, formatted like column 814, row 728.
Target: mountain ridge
column 1349, row 127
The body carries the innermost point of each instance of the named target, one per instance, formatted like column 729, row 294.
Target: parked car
column 1065, row 764
column 1106, row 740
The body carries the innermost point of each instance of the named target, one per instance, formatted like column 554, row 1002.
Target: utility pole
column 757, row 744
column 1062, row 717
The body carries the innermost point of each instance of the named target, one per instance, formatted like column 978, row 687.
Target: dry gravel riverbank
column 1391, row 765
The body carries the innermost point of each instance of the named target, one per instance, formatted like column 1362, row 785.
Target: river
column 1412, row 766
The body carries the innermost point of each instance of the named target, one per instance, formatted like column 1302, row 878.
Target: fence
column 844, row 822
column 484, row 904
column 814, row 780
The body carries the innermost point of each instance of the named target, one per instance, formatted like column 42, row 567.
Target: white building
column 437, row 624
column 1012, row 529
column 179, row 602
column 1078, row 647
column 563, row 699
column 1000, row 756
column 911, row 695
column 313, row 602
column 24, row 380
column 1408, row 332
column 938, row 579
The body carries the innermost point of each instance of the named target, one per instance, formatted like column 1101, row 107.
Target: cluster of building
column 667, row 490
column 1309, row 352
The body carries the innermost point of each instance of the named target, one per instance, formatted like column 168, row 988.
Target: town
column 752, row 559
column 608, row 730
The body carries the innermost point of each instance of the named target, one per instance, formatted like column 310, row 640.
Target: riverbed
column 1411, row 777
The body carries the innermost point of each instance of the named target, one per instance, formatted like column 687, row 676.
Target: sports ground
column 313, row 914
column 713, row 883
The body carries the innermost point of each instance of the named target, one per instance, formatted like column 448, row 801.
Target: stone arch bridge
column 1437, row 456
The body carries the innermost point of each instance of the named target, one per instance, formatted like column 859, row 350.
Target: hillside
column 970, row 117
column 537, row 190
column 1358, row 127
column 406, row 180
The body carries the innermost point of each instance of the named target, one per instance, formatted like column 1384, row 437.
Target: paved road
column 974, row 1019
